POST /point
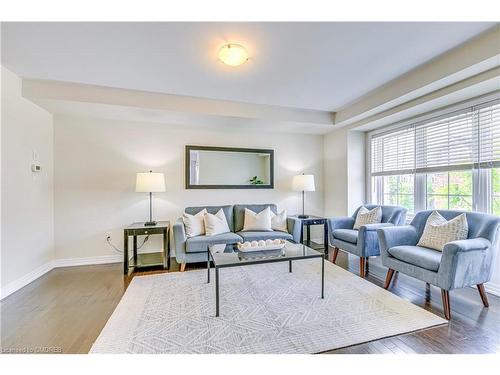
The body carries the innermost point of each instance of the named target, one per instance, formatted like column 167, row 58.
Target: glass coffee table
column 231, row 257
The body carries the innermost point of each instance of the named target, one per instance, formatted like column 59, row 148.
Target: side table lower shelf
column 147, row 260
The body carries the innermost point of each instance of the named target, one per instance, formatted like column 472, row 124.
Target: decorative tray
column 261, row 245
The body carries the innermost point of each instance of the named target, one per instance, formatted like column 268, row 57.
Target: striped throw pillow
column 438, row 231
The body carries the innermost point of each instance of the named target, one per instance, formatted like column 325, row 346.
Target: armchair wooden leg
column 445, row 295
column 388, row 278
column 335, row 253
column 484, row 296
column 427, row 292
column 362, row 266
column 183, row 267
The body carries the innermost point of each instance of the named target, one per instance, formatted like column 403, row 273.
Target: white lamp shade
column 150, row 182
column 303, row 182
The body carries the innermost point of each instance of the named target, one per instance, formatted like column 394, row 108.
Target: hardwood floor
column 65, row 310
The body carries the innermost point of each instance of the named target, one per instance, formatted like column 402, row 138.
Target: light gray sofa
column 194, row 249
column 461, row 263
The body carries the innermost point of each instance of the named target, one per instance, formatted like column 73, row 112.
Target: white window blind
column 489, row 135
column 446, row 143
column 394, row 152
column 460, row 140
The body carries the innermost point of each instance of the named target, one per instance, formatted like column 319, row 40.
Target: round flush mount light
column 233, row 54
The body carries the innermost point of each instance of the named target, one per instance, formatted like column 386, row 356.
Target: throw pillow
column 260, row 221
column 194, row 224
column 215, row 224
column 438, row 231
column 278, row 222
column 366, row 216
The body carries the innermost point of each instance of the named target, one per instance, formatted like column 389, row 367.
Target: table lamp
column 303, row 183
column 149, row 182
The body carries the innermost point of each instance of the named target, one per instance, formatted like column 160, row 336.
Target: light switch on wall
column 35, row 165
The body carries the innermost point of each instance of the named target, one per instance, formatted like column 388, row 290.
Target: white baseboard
column 15, row 285
column 103, row 259
column 492, row 288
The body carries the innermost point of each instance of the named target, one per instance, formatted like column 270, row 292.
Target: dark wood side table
column 314, row 220
column 155, row 259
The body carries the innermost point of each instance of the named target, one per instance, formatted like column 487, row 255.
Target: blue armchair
column 362, row 242
column 460, row 264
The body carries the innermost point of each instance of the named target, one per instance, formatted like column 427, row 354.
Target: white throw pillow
column 438, row 231
column 278, row 222
column 260, row 221
column 215, row 224
column 194, row 224
column 366, row 216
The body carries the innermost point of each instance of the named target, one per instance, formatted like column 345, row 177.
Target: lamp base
column 303, row 216
column 150, row 223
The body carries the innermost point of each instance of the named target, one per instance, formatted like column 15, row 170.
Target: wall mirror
column 229, row 168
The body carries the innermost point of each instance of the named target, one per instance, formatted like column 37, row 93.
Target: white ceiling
column 321, row 66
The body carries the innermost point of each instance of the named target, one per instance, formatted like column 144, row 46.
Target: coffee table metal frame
column 313, row 254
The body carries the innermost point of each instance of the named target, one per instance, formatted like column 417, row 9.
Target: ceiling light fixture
column 233, row 54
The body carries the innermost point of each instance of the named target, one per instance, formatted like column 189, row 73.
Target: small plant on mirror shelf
column 256, row 181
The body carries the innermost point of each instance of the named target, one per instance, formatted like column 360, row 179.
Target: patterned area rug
column 263, row 309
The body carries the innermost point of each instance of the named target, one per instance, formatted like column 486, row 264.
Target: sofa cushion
column 194, row 224
column 347, row 235
column 256, row 236
column 228, row 212
column 239, row 213
column 215, row 224
column 279, row 221
column 418, row 256
column 200, row 243
column 257, row 221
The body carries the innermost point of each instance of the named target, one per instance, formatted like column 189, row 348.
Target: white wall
column 344, row 171
column 335, row 172
column 26, row 198
column 96, row 162
column 356, row 170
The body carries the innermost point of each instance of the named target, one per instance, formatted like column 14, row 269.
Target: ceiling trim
column 481, row 86
column 75, row 92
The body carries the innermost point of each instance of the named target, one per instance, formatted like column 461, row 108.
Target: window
column 495, row 191
column 449, row 191
column 398, row 190
column 449, row 162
